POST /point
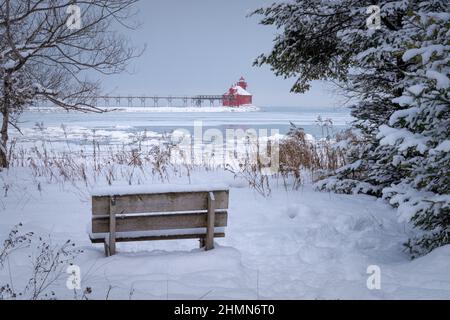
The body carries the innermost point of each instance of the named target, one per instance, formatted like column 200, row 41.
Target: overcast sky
column 202, row 47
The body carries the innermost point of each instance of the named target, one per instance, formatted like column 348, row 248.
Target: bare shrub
column 250, row 168
column 49, row 262
column 254, row 177
column 15, row 240
column 160, row 161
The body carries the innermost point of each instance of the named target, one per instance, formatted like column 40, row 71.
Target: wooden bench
column 188, row 212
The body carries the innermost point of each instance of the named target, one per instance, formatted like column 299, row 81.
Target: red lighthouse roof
column 240, row 91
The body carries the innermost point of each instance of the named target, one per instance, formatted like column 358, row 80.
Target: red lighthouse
column 237, row 95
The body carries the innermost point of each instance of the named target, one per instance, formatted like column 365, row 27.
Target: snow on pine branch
column 402, row 139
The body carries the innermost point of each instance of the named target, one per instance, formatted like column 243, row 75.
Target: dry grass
column 97, row 163
column 300, row 159
column 300, row 156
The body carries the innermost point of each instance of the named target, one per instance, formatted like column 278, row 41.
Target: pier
column 157, row 101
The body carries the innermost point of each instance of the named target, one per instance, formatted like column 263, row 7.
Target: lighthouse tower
column 241, row 83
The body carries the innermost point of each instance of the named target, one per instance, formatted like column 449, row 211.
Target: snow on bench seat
column 155, row 189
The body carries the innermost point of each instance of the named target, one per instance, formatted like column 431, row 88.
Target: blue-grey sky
column 202, row 47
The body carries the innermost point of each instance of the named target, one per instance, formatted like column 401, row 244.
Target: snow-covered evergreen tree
column 419, row 133
column 399, row 76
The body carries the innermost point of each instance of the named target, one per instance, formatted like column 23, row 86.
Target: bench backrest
column 158, row 211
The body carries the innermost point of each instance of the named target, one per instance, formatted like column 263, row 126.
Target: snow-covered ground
column 293, row 244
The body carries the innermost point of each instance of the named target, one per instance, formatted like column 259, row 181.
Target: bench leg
column 112, row 244
column 210, row 222
column 202, row 242
column 112, row 226
column 105, row 244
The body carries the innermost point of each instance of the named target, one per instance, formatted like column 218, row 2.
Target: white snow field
column 292, row 245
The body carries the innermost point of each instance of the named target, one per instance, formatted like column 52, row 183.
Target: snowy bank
column 244, row 108
column 292, row 245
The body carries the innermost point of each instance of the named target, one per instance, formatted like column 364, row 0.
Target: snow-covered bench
column 159, row 213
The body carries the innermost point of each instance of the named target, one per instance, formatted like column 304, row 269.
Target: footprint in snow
column 293, row 210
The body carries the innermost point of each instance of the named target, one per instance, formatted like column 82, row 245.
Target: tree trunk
column 4, row 129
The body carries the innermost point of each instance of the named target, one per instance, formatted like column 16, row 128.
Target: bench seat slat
column 158, row 222
column 175, row 201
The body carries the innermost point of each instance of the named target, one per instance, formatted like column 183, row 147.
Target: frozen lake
column 118, row 126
